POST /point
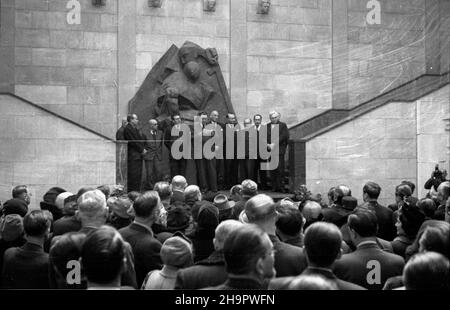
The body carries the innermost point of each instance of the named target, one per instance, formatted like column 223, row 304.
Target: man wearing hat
column 49, row 202
column 70, row 221
column 338, row 214
column 289, row 260
column 249, row 189
column 119, row 215
column 225, row 207
column 277, row 144
column 11, row 233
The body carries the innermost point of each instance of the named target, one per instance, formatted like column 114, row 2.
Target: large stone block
column 352, row 148
column 96, row 152
column 66, row 76
column 99, row 77
column 151, row 43
column 23, row 19
column 320, row 148
column 32, row 37
column 401, row 128
column 99, row 40
column 432, row 148
column 83, row 95
column 6, row 173
column 369, row 128
column 335, row 169
column 23, row 56
column 35, row 173
column 32, row 5
column 257, row 81
column 66, row 39
column 399, row 148
column 41, row 94
column 32, row 75
column 48, row 57
column 80, row 174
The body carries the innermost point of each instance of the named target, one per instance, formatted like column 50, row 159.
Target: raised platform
column 276, row 196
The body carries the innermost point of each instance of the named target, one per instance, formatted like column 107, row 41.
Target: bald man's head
column 179, row 183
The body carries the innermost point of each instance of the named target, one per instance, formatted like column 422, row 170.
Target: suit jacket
column 169, row 139
column 289, row 259
column 283, row 283
column 240, row 283
column 135, row 140
column 120, row 134
column 336, row 215
column 283, row 136
column 25, row 268
column 352, row 267
column 153, row 144
column 177, row 196
column 145, row 249
column 208, row 272
column 385, row 218
column 236, row 128
column 66, row 224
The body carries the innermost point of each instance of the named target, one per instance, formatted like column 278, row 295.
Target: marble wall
column 42, row 150
column 398, row 141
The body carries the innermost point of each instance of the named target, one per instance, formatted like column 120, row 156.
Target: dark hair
column 322, row 243
column 83, row 190
column 105, row 190
column 260, row 116
column 372, row 189
column 64, row 249
column 403, row 190
column 145, row 204
column 202, row 113
column 19, row 190
column 411, row 218
column 364, row 222
column 427, row 271
column 437, row 239
column 414, row 247
column 178, row 218
column 427, row 206
column 411, row 185
column 36, row 223
column 133, row 195
column 290, row 220
column 103, row 254
column 242, row 249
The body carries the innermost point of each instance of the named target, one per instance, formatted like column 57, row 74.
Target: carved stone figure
column 209, row 5
column 263, row 6
column 155, row 3
column 185, row 81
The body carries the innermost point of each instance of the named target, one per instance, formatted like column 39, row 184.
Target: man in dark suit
column 369, row 266
column 339, row 211
column 231, row 164
column 385, row 216
column 120, row 132
column 210, row 271
column 249, row 259
column 140, row 236
column 177, row 166
column 262, row 174
column 322, row 246
column 289, row 260
column 247, row 165
column 277, row 144
column 136, row 150
column 153, row 156
column 220, row 168
column 206, row 168
column 93, row 213
column 26, row 267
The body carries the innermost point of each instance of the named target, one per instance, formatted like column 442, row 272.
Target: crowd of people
column 171, row 237
column 146, row 146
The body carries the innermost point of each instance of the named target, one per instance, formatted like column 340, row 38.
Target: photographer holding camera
column 437, row 177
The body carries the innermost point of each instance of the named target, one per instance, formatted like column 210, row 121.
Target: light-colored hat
column 222, row 203
column 177, row 252
column 59, row 201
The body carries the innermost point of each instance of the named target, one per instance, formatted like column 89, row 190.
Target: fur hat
column 11, row 227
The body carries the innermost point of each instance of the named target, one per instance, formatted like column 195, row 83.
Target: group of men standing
column 210, row 174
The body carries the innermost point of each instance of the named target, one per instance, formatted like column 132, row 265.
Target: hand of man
column 144, row 152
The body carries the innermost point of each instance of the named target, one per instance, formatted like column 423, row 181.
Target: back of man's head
column 223, row 230
column 443, row 192
column 290, row 220
column 192, row 193
column 179, row 183
column 260, row 208
column 103, row 255
column 312, row 283
column 340, row 192
column 364, row 222
column 92, row 205
column 242, row 249
column 163, row 190
column 36, row 223
column 322, row 244
column 372, row 190
column 410, row 184
column 146, row 204
column 249, row 188
column 19, row 190
column 312, row 211
column 427, row 271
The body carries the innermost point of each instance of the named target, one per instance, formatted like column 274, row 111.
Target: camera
column 437, row 173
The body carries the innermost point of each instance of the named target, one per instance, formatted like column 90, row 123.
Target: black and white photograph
column 225, row 150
